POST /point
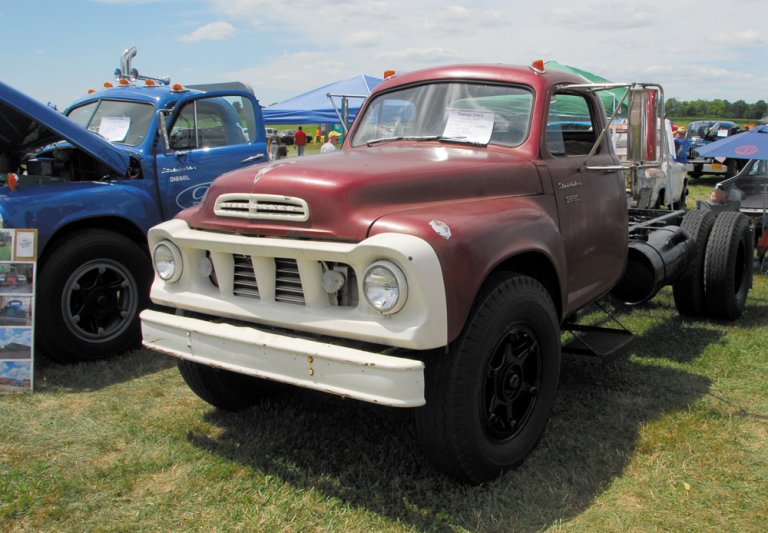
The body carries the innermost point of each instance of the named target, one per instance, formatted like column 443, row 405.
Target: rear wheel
column 688, row 290
column 226, row 390
column 728, row 266
column 489, row 399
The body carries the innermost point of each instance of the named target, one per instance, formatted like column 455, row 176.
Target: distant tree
column 738, row 109
column 759, row 110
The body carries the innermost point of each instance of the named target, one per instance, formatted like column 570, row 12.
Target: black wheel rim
column 99, row 300
column 511, row 383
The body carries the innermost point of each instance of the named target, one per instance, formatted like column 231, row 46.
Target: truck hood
column 27, row 125
column 339, row 196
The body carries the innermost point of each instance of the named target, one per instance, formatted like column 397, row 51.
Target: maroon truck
column 439, row 260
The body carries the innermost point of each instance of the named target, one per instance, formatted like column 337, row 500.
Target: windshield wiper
column 384, row 140
column 461, row 140
column 421, row 138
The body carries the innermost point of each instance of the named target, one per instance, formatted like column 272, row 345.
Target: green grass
column 673, row 437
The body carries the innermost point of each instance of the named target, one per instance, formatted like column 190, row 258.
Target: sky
column 55, row 51
column 17, row 335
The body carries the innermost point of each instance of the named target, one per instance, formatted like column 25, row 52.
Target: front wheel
column 224, row 389
column 91, row 290
column 489, row 398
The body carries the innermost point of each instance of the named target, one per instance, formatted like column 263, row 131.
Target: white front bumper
column 349, row 372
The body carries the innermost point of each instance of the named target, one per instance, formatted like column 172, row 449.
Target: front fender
column 472, row 239
column 51, row 208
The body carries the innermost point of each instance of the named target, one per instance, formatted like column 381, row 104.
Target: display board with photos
column 18, row 257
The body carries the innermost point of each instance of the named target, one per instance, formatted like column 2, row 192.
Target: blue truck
column 94, row 179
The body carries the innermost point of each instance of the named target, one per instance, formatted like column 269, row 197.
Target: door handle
column 253, row 158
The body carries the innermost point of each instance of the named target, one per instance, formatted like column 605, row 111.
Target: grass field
column 673, row 437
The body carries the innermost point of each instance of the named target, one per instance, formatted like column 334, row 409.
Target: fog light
column 385, row 287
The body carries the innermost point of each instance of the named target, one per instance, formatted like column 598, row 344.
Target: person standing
column 682, row 145
column 318, row 136
column 300, row 140
column 330, row 146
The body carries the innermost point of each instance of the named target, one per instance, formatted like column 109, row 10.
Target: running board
column 600, row 341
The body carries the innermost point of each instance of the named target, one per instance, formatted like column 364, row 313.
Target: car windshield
column 472, row 113
column 710, row 130
column 115, row 120
column 756, row 167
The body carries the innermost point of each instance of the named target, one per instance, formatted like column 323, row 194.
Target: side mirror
column 644, row 120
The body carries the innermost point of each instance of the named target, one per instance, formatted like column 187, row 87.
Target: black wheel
column 489, row 398
column 697, row 171
column 688, row 289
column 226, row 390
column 680, row 204
column 728, row 266
column 91, row 290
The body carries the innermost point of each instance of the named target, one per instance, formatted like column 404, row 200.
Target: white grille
column 261, row 207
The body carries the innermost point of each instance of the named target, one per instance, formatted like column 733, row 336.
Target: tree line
column 716, row 108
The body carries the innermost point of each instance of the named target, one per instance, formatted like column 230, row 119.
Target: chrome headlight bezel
column 167, row 261
column 385, row 287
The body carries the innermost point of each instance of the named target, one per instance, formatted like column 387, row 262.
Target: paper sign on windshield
column 470, row 126
column 114, row 129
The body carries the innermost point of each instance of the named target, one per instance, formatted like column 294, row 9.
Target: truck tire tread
column 457, row 434
column 105, row 329
column 688, row 289
column 728, row 266
column 225, row 390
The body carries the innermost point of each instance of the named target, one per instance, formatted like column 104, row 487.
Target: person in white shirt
column 330, row 146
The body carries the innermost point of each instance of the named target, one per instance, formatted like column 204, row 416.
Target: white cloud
column 363, row 39
column 215, row 31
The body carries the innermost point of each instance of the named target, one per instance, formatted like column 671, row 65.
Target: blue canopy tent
column 328, row 104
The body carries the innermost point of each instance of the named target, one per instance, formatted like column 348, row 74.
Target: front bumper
column 348, row 372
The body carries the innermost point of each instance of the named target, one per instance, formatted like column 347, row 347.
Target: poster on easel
column 18, row 256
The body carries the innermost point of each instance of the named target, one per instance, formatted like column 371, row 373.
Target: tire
column 226, row 390
column 688, row 289
column 91, row 290
column 490, row 397
column 697, row 172
column 680, row 204
column 728, row 266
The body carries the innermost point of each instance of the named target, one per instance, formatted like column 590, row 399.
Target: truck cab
column 94, row 179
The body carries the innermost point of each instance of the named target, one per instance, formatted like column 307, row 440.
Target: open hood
column 26, row 124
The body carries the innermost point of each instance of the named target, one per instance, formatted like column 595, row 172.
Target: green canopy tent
column 610, row 97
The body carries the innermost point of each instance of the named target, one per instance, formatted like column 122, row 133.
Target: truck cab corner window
column 570, row 128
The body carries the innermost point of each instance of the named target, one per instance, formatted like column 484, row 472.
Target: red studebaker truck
column 439, row 259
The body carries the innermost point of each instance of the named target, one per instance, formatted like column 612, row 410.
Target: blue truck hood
column 26, row 125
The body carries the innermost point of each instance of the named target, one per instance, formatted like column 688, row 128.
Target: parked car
column 14, row 308
column 704, row 132
column 286, row 137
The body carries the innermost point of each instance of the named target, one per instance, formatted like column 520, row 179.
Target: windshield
column 711, row 130
column 456, row 112
column 117, row 121
column 756, row 167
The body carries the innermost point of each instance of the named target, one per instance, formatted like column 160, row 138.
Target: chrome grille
column 261, row 207
column 245, row 278
column 288, row 287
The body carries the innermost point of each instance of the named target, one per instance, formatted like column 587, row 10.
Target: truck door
column 207, row 136
column 591, row 203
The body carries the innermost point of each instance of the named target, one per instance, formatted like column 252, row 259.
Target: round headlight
column 167, row 260
column 385, row 287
